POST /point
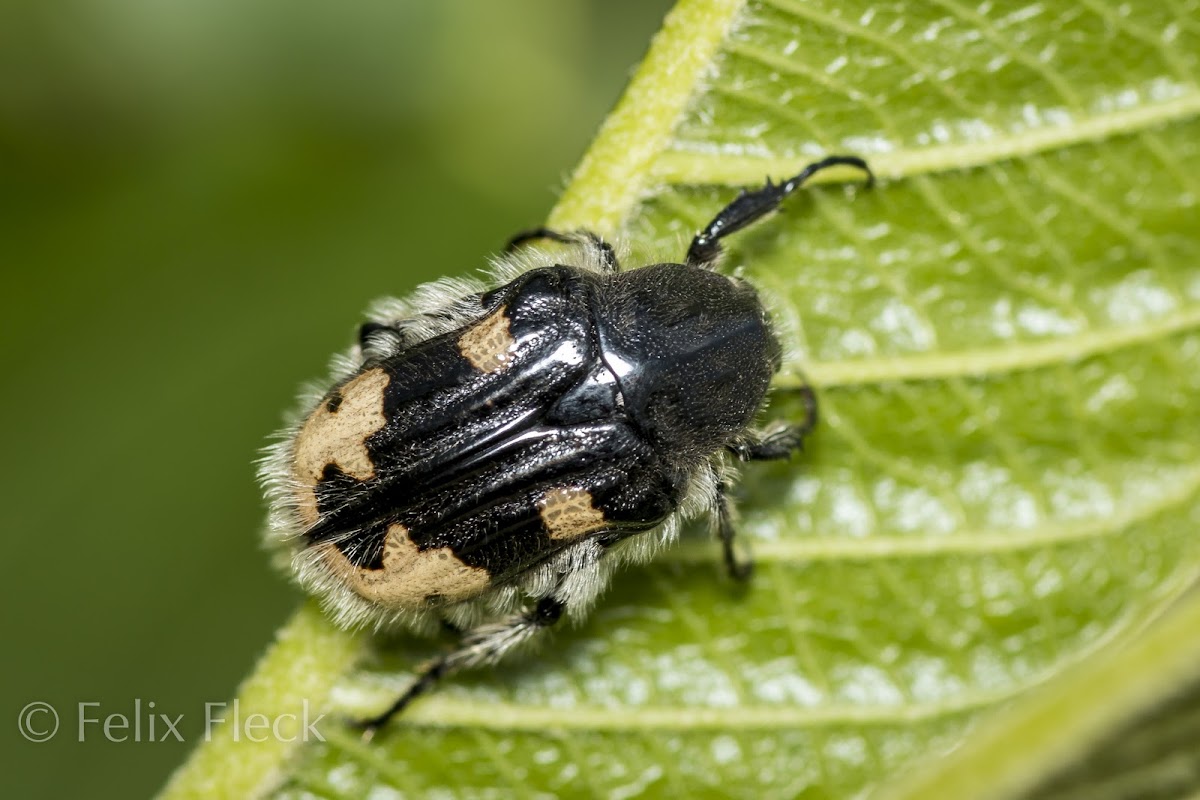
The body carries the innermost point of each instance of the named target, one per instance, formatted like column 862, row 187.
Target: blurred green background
column 199, row 199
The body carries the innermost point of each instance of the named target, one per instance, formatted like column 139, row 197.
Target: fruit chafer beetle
column 489, row 452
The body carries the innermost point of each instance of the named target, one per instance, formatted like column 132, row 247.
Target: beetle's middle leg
column 784, row 442
column 380, row 339
column 778, row 444
column 482, row 645
column 388, row 334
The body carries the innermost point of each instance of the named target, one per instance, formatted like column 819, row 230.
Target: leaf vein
column 1183, row 486
column 806, row 11
column 443, row 711
column 1033, row 64
column 684, row 167
column 1113, row 20
column 1004, row 357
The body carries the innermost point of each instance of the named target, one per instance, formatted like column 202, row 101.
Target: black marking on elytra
column 465, row 457
column 334, row 401
column 364, row 549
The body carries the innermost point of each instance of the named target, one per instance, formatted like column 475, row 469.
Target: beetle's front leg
column 750, row 206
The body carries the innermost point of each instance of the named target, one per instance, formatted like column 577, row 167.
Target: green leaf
column 1005, row 337
column 1122, row 726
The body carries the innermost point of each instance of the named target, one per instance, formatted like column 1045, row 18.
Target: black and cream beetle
column 489, row 453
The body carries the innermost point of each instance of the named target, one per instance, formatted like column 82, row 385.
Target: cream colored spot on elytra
column 339, row 437
column 568, row 513
column 409, row 576
column 489, row 344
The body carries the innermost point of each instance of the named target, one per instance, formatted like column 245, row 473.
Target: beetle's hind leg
column 608, row 256
column 748, row 207
column 482, row 645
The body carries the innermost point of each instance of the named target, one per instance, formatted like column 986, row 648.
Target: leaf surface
column 1005, row 338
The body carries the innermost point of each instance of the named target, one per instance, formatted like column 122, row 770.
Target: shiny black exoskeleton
column 619, row 385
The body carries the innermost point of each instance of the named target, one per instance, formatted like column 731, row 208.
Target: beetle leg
column 749, row 207
column 376, row 338
column 482, row 645
column 383, row 337
column 777, row 445
column 726, row 533
column 608, row 256
column 781, row 443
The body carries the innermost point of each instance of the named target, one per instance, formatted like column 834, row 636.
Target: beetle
column 489, row 452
